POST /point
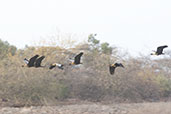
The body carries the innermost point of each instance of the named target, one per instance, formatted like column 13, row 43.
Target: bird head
column 26, row 61
column 72, row 63
column 24, row 65
column 113, row 65
column 54, row 64
column 154, row 53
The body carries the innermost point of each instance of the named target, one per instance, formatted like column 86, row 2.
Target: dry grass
column 94, row 108
column 151, row 108
column 137, row 82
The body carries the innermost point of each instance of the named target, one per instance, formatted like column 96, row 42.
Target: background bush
column 142, row 79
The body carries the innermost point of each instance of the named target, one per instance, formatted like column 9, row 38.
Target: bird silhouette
column 112, row 67
column 159, row 50
column 38, row 62
column 30, row 62
column 77, row 59
column 60, row 66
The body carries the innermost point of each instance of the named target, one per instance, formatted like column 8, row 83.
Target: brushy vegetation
column 142, row 79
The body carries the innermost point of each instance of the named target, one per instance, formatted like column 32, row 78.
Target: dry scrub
column 142, row 79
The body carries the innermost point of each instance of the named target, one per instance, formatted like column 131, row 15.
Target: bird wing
column 77, row 58
column 112, row 70
column 119, row 65
column 61, row 67
column 32, row 60
column 52, row 66
column 38, row 61
column 160, row 49
column 122, row 65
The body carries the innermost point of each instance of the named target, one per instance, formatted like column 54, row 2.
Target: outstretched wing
column 52, row 66
column 119, row 65
column 32, row 61
column 78, row 58
column 38, row 61
column 112, row 70
column 160, row 49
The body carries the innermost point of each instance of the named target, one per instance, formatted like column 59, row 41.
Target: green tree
column 93, row 42
column 6, row 48
column 106, row 49
column 96, row 46
column 91, row 39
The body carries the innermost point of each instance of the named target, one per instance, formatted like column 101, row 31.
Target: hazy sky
column 134, row 25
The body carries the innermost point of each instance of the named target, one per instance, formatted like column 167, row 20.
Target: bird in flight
column 112, row 67
column 77, row 59
column 60, row 66
column 38, row 62
column 34, row 61
column 30, row 62
column 159, row 50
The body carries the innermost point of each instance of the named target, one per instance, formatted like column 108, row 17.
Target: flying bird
column 60, row 66
column 113, row 67
column 38, row 61
column 159, row 50
column 31, row 62
column 77, row 59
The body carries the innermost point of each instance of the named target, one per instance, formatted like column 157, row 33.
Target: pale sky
column 134, row 25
